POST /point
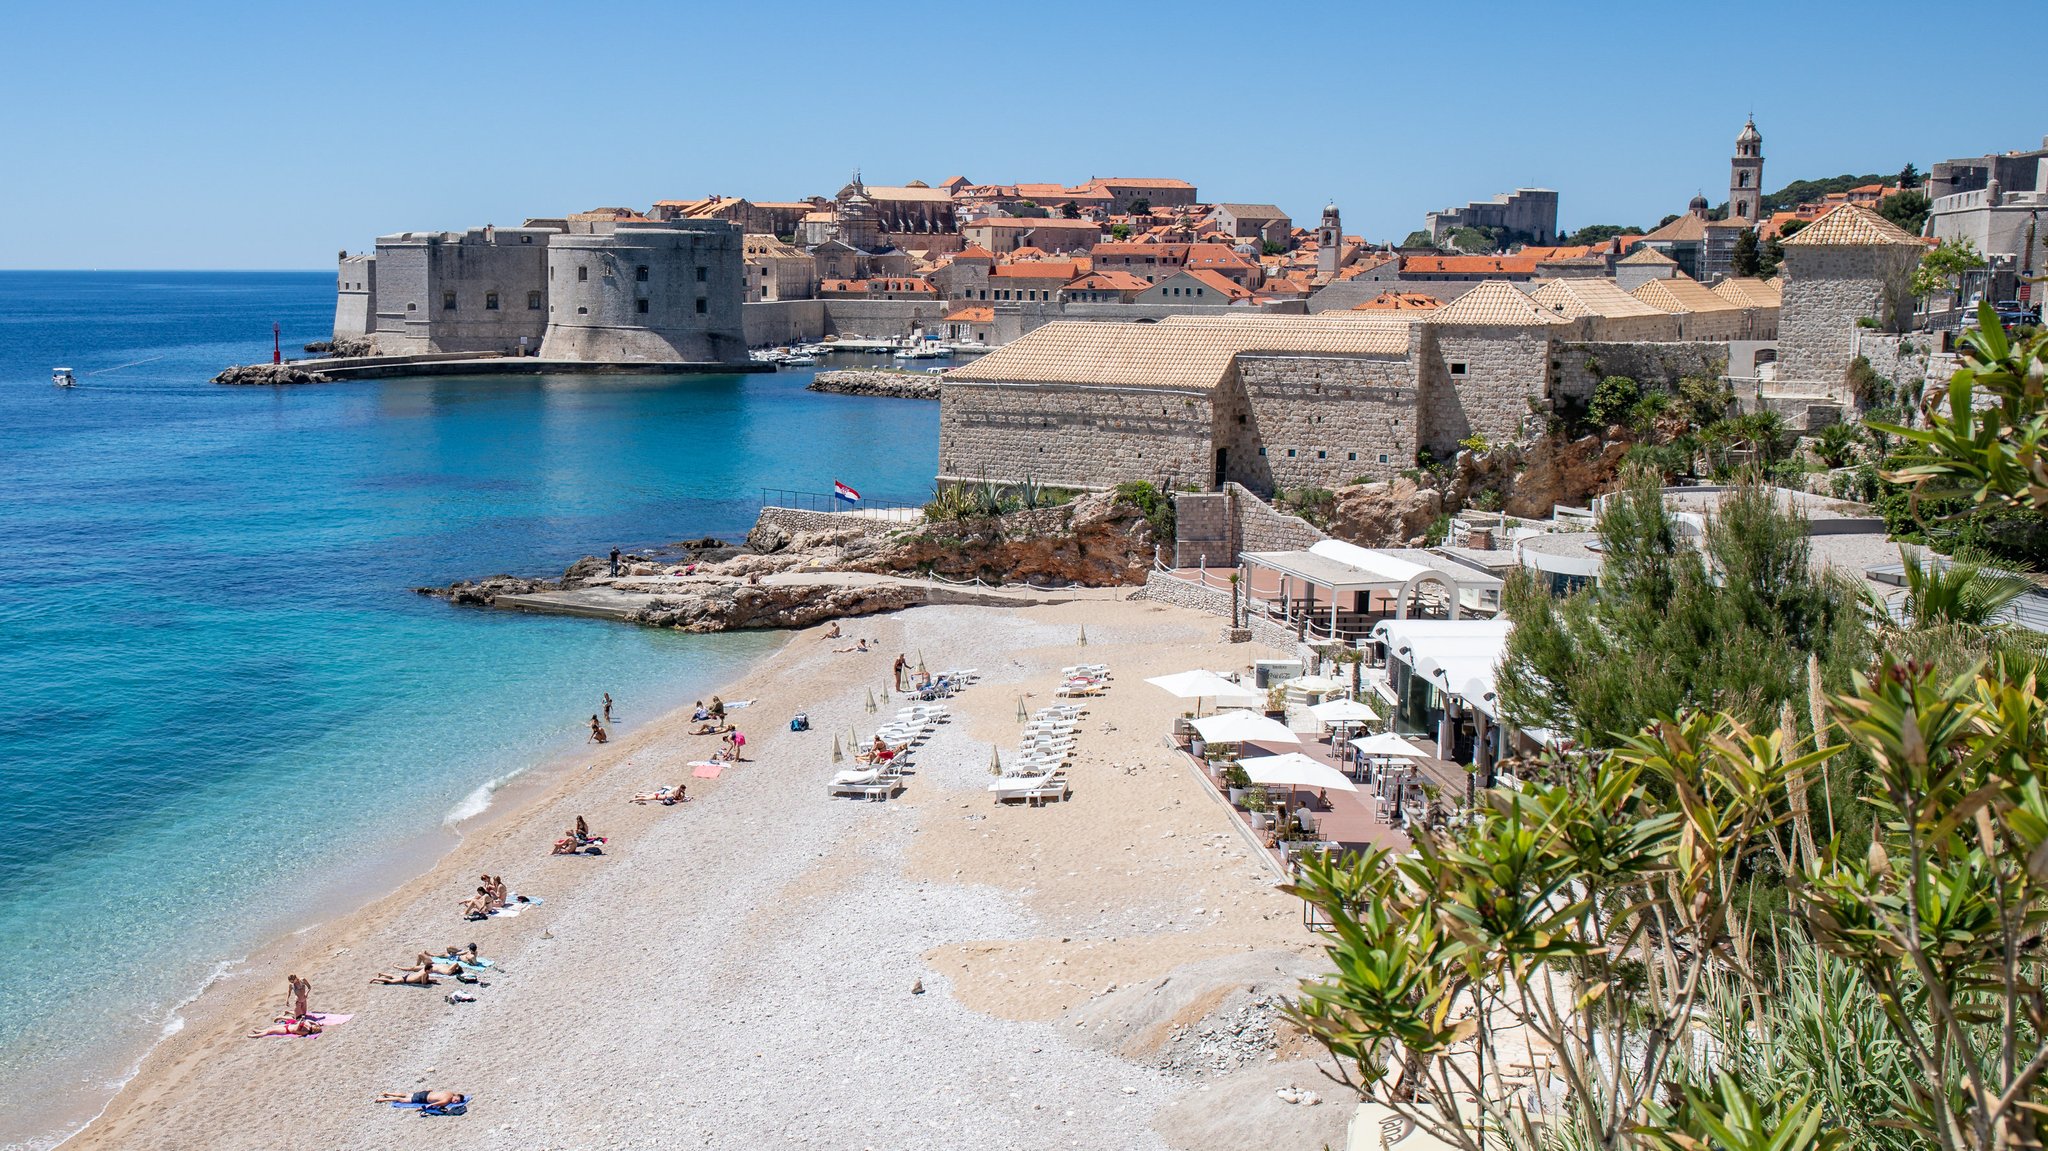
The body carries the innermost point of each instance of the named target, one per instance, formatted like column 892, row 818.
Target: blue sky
column 217, row 135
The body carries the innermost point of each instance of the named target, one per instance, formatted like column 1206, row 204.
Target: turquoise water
column 220, row 705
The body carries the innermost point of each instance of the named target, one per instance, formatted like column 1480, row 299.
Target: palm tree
column 1951, row 616
column 1963, row 594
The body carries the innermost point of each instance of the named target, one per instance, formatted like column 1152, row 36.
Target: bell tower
column 1746, row 176
column 1329, row 243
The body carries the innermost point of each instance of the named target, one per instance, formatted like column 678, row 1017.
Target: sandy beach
column 739, row 971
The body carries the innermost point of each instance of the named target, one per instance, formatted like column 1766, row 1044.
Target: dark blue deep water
column 218, row 697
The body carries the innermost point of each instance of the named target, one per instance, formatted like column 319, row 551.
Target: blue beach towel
column 461, row 1108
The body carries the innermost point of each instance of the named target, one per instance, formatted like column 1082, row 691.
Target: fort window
column 412, row 307
column 1457, row 369
column 447, row 301
column 640, row 306
column 490, row 301
column 640, row 273
column 1383, row 457
column 703, row 306
column 526, row 239
column 1350, row 455
column 1290, row 453
column 1322, row 455
column 582, row 311
column 533, row 301
column 582, row 273
column 703, row 274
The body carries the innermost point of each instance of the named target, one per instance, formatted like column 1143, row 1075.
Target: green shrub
column 1155, row 505
column 1612, row 399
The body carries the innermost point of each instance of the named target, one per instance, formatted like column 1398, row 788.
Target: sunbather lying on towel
column 666, row 796
column 406, row 979
column 712, row 728
column 441, row 965
column 422, row 1098
column 286, row 1025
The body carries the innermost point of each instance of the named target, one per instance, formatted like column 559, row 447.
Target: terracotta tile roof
column 974, row 315
column 1400, row 302
column 1851, row 226
column 1367, row 263
column 1649, row 256
column 1685, row 229
column 1026, row 223
column 925, row 195
column 1568, row 252
column 1135, row 182
column 1468, row 265
column 974, row 252
column 1041, row 191
column 1028, row 252
column 1679, row 295
column 1061, row 270
column 1254, row 211
column 1218, row 282
column 1217, row 256
column 1180, row 352
column 1750, row 292
column 1110, row 281
column 1495, row 303
column 1578, row 297
column 842, row 285
column 1116, row 249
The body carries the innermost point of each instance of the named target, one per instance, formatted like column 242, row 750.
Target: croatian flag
column 841, row 491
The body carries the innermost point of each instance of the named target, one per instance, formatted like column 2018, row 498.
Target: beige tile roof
column 906, row 192
column 1686, row 227
column 1255, row 211
column 1681, row 294
column 1851, row 226
column 1577, row 297
column 1493, row 303
column 1750, row 292
column 1180, row 352
column 1649, row 256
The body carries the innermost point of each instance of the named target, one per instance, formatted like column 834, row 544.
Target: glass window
column 490, row 301
column 640, row 273
column 703, row 274
column 447, row 301
column 533, row 301
column 582, row 273
column 640, row 306
column 703, row 306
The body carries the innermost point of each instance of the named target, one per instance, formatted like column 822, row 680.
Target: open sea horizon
column 223, row 707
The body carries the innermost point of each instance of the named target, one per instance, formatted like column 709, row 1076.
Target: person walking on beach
column 615, row 561
column 296, row 991
column 597, row 731
column 896, row 672
column 607, row 707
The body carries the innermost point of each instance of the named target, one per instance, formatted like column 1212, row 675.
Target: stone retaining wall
column 1168, row 589
column 1581, row 366
column 1260, row 528
column 799, row 520
column 877, row 382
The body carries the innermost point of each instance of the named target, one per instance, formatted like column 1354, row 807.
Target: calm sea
column 218, row 698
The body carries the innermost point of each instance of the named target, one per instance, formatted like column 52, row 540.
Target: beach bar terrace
column 1336, row 590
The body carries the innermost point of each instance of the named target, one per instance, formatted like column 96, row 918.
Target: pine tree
column 1747, row 260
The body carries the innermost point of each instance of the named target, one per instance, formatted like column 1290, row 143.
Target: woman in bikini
column 597, row 731
column 295, row 992
column 287, row 1027
column 406, row 979
column 425, row 1098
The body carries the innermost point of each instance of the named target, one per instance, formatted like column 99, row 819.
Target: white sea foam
column 476, row 802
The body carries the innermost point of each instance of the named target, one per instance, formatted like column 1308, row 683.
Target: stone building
column 1641, row 265
column 1526, row 214
column 1002, row 235
column 480, row 290
column 1998, row 204
column 1850, row 265
column 1124, row 191
column 1697, row 311
column 1261, row 223
column 964, row 276
column 654, row 291
column 1196, row 286
column 1746, row 177
column 1329, row 244
column 1608, row 313
column 776, row 270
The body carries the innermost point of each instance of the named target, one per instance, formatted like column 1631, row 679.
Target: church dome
column 1749, row 134
column 1699, row 205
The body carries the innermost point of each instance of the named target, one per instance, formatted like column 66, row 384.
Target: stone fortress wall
column 1478, row 381
column 355, row 295
column 1827, row 290
column 1074, row 436
column 1582, row 365
column 668, row 291
column 1290, row 421
column 469, row 291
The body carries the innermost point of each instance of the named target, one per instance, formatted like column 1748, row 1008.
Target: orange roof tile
column 1399, row 302
column 1468, row 265
column 975, row 315
column 1062, row 270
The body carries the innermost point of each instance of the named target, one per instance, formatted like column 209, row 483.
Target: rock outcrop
column 484, row 592
column 1099, row 540
column 268, row 374
column 874, row 382
column 348, row 347
column 1532, row 480
column 731, row 606
column 1394, row 513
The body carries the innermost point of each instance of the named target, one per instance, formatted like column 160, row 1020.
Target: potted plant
column 1238, row 782
column 1258, row 808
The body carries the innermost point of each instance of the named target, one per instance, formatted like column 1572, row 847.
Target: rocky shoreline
column 876, row 382
column 795, row 573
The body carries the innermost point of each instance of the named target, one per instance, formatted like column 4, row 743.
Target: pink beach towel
column 323, row 1018
column 707, row 770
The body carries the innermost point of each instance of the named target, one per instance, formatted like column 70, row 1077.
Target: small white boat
column 63, row 377
column 799, row 360
column 927, row 352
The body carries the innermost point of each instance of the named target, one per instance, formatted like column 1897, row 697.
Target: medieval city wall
column 1581, row 366
column 1289, row 421
column 1503, row 369
column 1074, row 436
column 647, row 294
column 355, row 298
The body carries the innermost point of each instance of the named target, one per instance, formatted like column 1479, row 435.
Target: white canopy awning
column 1460, row 657
column 1387, row 743
column 1314, row 684
column 1242, row 727
column 1200, row 684
column 1343, row 711
column 1295, row 770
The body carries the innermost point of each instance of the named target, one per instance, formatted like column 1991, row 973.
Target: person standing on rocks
column 615, row 561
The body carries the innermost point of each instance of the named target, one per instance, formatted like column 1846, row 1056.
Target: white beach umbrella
column 1315, row 684
column 1387, row 743
column 1295, row 770
column 1243, row 726
column 1343, row 711
column 1199, row 685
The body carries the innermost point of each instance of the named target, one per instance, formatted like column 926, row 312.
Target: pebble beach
column 767, row 966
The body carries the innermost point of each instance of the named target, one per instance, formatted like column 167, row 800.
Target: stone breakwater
column 268, row 375
column 872, row 382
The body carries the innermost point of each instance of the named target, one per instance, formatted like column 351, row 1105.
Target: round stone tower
column 647, row 292
column 1746, row 175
